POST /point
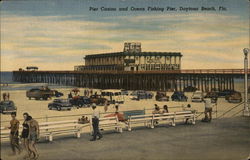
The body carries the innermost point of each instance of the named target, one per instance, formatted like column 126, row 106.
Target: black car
column 80, row 101
column 226, row 92
column 7, row 107
column 58, row 94
column 60, row 104
column 179, row 96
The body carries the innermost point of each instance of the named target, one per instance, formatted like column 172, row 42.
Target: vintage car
column 179, row 96
column 97, row 99
column 60, row 104
column 40, row 93
column 141, row 94
column 7, row 107
column 213, row 95
column 225, row 92
column 80, row 101
column 190, row 89
column 57, row 93
column 235, row 98
column 197, row 96
column 113, row 96
column 161, row 96
column 124, row 92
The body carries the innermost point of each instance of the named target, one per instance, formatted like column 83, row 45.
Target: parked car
column 225, row 92
column 227, row 96
column 179, row 96
column 197, row 96
column 113, row 96
column 190, row 89
column 57, row 93
column 80, row 101
column 97, row 99
column 60, row 104
column 124, row 92
column 161, row 96
column 213, row 95
column 235, row 98
column 141, row 94
column 7, row 107
column 40, row 93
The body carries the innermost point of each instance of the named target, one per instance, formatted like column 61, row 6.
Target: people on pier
column 95, row 123
column 14, row 140
column 188, row 108
column 106, row 104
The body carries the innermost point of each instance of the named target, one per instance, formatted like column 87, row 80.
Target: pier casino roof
column 115, row 54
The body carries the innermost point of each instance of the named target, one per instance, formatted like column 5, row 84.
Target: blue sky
column 57, row 34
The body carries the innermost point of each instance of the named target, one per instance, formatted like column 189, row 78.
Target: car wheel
column 29, row 98
column 69, row 109
column 59, row 108
column 50, row 107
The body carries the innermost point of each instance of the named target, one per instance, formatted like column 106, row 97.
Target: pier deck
column 203, row 79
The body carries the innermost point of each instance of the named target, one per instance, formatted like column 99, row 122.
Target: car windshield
column 5, row 103
column 61, row 100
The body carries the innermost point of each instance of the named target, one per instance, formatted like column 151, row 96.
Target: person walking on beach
column 14, row 140
column 25, row 134
column 95, row 123
column 33, row 137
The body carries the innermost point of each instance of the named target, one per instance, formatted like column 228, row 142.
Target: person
column 188, row 108
column 85, row 92
column 117, row 108
column 4, row 96
column 33, row 137
column 91, row 92
column 83, row 120
column 156, row 111
column 95, row 123
column 70, row 95
column 14, row 140
column 106, row 104
column 8, row 96
column 208, row 110
column 25, row 134
column 165, row 109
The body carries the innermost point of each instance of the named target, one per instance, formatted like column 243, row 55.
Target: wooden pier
column 204, row 79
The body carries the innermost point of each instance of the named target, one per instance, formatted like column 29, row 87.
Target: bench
column 108, row 123
column 51, row 129
column 149, row 119
column 146, row 119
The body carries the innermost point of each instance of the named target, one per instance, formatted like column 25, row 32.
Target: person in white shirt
column 95, row 123
column 208, row 109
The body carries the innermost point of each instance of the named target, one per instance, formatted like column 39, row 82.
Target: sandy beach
column 39, row 108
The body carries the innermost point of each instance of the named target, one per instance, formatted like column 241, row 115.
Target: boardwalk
column 223, row 139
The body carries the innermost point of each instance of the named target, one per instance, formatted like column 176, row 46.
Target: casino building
column 132, row 59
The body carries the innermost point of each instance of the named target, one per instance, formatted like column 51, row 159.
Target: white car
column 198, row 96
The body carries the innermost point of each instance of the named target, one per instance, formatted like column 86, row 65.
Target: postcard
column 125, row 79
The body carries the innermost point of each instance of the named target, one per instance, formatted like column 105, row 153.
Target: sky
column 57, row 34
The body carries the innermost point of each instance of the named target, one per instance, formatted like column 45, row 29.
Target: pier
column 162, row 80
